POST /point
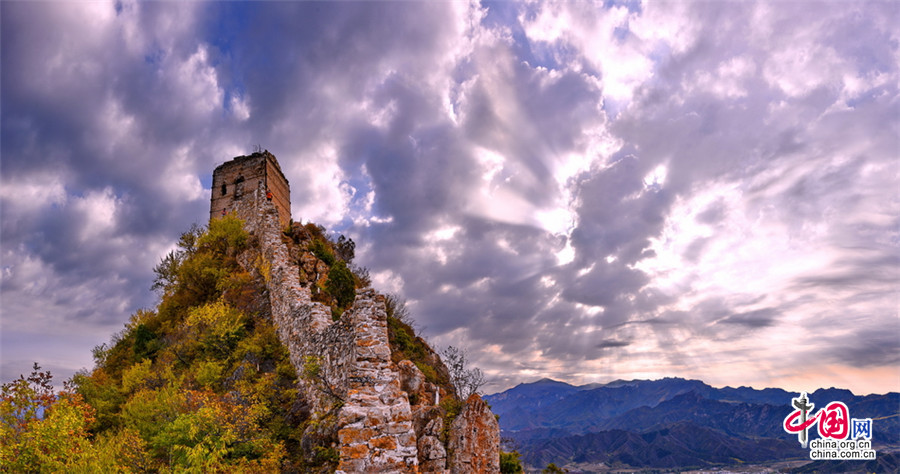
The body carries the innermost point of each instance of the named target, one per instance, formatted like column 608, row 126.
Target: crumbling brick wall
column 377, row 429
column 234, row 181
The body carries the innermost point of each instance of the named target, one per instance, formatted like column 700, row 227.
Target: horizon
column 582, row 191
column 602, row 384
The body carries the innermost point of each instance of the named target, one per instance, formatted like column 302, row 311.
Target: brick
column 383, row 442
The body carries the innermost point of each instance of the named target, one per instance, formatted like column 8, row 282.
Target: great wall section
column 354, row 388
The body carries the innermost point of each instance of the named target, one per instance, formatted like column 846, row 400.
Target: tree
column 341, row 284
column 202, row 384
column 395, row 307
column 41, row 431
column 553, row 469
column 510, row 462
column 167, row 269
column 466, row 381
column 345, row 249
column 225, row 237
column 166, row 273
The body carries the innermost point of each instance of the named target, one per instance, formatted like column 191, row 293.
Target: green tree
column 510, row 462
column 166, row 273
column 225, row 237
column 341, row 284
column 553, row 469
column 41, row 431
column 167, row 270
column 322, row 250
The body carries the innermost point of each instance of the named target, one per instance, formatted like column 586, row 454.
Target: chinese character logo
column 835, row 427
column 834, row 421
column 862, row 428
column 803, row 407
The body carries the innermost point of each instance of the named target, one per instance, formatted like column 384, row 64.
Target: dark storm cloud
column 759, row 318
column 873, row 345
column 611, row 343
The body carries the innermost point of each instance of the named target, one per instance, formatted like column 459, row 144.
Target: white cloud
column 98, row 210
column 240, row 108
column 727, row 81
column 546, row 181
column 30, row 195
column 196, row 82
column 602, row 37
column 319, row 197
column 182, row 183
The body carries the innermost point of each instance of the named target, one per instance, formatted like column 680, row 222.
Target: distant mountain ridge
column 641, row 423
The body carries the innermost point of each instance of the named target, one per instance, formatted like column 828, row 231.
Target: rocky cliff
column 349, row 383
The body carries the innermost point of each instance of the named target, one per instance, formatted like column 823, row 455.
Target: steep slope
column 577, row 411
column 269, row 352
column 349, row 353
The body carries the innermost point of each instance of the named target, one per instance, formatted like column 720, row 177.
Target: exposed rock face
column 474, row 438
column 429, row 424
column 354, row 381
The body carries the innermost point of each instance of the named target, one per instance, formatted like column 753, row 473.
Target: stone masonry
column 377, row 428
column 239, row 178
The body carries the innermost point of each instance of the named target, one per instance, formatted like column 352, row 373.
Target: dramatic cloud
column 568, row 189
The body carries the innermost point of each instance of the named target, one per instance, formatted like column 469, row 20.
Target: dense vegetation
column 326, row 266
column 201, row 384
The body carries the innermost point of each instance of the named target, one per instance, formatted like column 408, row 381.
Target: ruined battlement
column 358, row 394
column 234, row 181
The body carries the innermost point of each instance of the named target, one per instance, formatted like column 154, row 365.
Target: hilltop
column 268, row 351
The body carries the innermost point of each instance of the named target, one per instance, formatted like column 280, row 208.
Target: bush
column 510, row 462
column 341, row 284
column 225, row 236
column 322, row 250
column 452, row 408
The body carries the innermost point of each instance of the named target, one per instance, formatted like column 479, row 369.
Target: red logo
column 834, row 421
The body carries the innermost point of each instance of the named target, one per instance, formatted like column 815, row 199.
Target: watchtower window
column 224, row 191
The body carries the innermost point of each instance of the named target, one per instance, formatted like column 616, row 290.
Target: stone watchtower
column 250, row 177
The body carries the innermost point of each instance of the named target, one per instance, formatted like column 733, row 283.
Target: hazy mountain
column 668, row 423
column 680, row 445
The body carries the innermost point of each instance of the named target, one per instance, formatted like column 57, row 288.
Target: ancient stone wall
column 281, row 191
column 377, row 429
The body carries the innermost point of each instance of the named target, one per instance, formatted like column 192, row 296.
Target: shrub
column 452, row 408
column 341, row 284
column 226, row 236
column 510, row 462
column 322, row 250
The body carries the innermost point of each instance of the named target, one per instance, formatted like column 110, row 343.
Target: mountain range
column 672, row 423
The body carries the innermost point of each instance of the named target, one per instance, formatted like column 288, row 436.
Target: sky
column 574, row 190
